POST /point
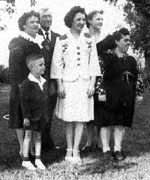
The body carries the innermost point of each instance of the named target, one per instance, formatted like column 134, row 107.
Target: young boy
column 34, row 108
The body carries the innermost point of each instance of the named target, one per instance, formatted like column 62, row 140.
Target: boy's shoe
column 28, row 165
column 39, row 164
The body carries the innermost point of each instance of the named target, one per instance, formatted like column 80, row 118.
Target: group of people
column 88, row 81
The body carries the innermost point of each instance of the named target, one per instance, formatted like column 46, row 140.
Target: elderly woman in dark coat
column 20, row 47
column 119, row 84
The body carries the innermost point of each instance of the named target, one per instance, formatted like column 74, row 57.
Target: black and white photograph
column 74, row 90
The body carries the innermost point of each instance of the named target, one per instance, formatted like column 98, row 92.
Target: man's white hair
column 43, row 10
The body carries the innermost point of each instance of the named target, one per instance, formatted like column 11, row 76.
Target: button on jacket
column 75, row 58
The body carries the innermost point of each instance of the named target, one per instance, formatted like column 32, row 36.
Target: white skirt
column 76, row 106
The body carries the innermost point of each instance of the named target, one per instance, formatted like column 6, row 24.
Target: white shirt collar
column 49, row 31
column 40, row 83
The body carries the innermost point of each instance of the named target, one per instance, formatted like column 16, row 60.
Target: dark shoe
column 107, row 155
column 118, row 156
column 87, row 149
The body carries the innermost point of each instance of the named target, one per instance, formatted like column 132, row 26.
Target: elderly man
column 49, row 39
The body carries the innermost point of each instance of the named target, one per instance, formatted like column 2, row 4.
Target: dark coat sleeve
column 25, row 99
column 104, row 45
column 15, row 65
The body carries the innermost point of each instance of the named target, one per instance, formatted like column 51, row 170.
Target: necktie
column 46, row 42
column 47, row 36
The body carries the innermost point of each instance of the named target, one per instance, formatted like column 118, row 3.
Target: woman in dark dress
column 119, row 84
column 20, row 47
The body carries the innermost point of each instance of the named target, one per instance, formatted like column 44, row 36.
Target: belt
column 126, row 76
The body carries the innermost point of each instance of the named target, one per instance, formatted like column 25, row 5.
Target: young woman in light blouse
column 75, row 66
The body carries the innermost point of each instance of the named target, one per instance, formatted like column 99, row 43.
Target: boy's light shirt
column 40, row 83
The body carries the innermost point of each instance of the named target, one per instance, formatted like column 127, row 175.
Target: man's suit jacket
column 48, row 53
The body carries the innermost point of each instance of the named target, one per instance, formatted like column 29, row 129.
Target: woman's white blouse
column 75, row 58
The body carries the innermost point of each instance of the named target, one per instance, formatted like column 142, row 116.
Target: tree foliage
column 8, row 10
column 138, row 16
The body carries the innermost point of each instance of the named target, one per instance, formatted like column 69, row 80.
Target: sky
column 113, row 16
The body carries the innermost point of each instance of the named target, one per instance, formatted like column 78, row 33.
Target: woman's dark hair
column 68, row 19
column 22, row 20
column 120, row 33
column 109, row 41
column 92, row 14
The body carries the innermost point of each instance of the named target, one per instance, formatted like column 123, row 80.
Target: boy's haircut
column 31, row 59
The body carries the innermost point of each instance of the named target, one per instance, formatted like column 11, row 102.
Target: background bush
column 4, row 75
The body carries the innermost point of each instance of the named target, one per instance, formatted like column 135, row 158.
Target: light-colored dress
column 75, row 61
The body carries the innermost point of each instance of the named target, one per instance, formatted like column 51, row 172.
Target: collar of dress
column 37, row 40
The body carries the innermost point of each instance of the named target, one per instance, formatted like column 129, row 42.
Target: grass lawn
column 136, row 144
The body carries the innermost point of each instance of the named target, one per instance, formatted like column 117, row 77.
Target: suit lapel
column 53, row 37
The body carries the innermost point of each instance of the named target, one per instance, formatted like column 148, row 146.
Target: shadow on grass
column 101, row 167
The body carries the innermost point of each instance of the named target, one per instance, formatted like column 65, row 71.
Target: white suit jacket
column 75, row 58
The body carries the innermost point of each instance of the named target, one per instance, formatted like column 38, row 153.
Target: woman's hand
column 26, row 122
column 90, row 91
column 61, row 89
column 91, row 88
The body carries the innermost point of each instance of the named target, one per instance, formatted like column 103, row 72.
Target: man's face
column 46, row 19
column 78, row 22
column 123, row 43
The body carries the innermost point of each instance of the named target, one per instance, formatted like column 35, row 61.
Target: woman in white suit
column 75, row 66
